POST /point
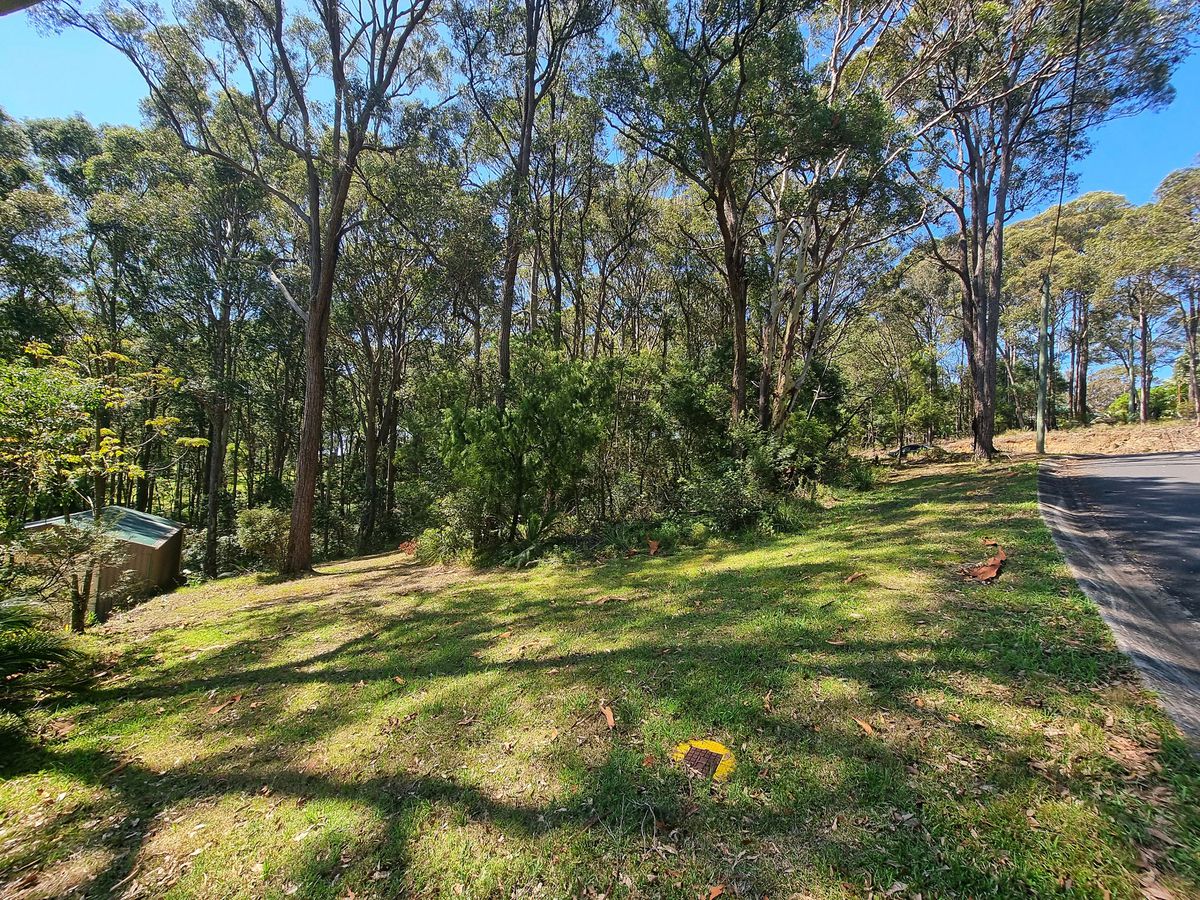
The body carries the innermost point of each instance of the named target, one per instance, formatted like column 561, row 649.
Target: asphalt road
column 1129, row 527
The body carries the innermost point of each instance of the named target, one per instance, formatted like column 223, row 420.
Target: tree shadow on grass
column 868, row 754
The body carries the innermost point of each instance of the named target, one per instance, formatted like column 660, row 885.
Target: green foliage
column 445, row 544
column 523, row 466
column 1163, row 398
column 35, row 656
column 272, row 491
column 262, row 533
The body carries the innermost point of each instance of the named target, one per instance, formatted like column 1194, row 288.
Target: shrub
column 262, row 532
column 445, row 544
column 698, row 533
column 271, row 491
column 859, row 473
column 668, row 534
column 522, row 467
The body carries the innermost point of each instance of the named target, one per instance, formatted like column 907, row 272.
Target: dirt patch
column 1103, row 440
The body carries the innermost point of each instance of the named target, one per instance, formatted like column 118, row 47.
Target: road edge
column 1150, row 627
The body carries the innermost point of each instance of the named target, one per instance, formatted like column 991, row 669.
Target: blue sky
column 57, row 75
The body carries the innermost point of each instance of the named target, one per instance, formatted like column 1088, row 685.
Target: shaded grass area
column 387, row 729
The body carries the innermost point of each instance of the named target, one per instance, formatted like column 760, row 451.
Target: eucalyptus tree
column 384, row 306
column 1020, row 73
column 567, row 167
column 714, row 90
column 847, row 197
column 211, row 222
column 33, row 219
column 513, row 54
column 1078, row 276
column 306, row 91
column 1137, row 272
column 1177, row 226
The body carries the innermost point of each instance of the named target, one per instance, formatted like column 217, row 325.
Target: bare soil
column 1098, row 440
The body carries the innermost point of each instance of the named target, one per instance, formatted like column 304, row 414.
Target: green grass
column 430, row 732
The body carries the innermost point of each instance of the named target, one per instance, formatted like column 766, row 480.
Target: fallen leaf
column 608, row 715
column 232, row 700
column 648, row 760
column 397, row 679
column 507, row 634
column 989, row 570
column 715, row 891
column 865, row 726
column 118, row 767
column 857, row 575
column 767, row 702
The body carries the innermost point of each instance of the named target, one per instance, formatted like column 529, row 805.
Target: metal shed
column 153, row 545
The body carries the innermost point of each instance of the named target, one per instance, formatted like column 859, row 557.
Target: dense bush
column 1163, row 399
column 602, row 456
column 262, row 534
column 522, row 467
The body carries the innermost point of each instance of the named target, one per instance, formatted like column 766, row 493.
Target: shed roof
column 123, row 523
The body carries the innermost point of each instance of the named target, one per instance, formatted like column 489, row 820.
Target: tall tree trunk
column 370, row 501
column 1051, row 379
column 325, row 244
column 1191, row 330
column 783, row 392
column 145, row 453
column 1134, row 405
column 735, row 279
column 1081, row 376
column 308, row 453
column 218, row 437
column 1072, row 352
column 1012, row 386
column 1144, row 327
column 518, row 201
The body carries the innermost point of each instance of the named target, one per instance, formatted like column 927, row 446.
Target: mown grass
column 428, row 732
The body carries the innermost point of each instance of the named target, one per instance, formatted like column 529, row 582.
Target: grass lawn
column 385, row 729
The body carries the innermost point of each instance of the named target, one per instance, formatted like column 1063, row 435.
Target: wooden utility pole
column 1043, row 364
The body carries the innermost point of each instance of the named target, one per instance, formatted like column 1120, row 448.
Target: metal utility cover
column 702, row 762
